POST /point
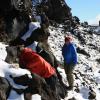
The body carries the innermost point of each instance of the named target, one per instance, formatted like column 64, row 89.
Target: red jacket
column 35, row 63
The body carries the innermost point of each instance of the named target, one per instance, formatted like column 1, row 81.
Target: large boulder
column 58, row 10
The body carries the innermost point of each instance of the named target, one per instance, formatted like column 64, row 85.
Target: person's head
column 68, row 39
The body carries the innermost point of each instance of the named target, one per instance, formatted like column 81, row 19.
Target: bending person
column 36, row 64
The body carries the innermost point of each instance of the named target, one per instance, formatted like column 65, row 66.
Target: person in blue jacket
column 70, row 60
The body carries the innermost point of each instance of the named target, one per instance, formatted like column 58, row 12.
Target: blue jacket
column 69, row 53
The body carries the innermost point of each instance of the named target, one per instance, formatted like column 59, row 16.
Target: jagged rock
column 76, row 76
column 81, row 38
column 15, row 16
column 76, row 21
column 73, row 98
column 83, row 83
column 92, row 95
column 77, row 90
column 98, row 60
column 21, row 11
column 82, row 51
column 3, row 37
column 99, row 71
column 58, row 10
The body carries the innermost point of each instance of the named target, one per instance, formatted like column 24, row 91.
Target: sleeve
column 66, row 54
column 74, row 54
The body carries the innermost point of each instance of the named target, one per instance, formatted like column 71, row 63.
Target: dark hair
column 68, row 38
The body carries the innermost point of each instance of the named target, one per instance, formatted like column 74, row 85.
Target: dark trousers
column 51, row 81
column 69, row 73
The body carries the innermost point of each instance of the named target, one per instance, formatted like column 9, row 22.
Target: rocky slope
column 87, row 71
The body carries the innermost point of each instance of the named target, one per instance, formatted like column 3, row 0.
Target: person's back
column 35, row 63
column 69, row 53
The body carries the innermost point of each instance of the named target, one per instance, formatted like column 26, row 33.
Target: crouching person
column 36, row 64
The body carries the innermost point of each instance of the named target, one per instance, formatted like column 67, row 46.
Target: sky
column 85, row 10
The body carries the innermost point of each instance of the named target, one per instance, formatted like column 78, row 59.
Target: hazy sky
column 86, row 10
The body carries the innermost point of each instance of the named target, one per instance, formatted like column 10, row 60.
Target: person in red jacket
column 36, row 64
